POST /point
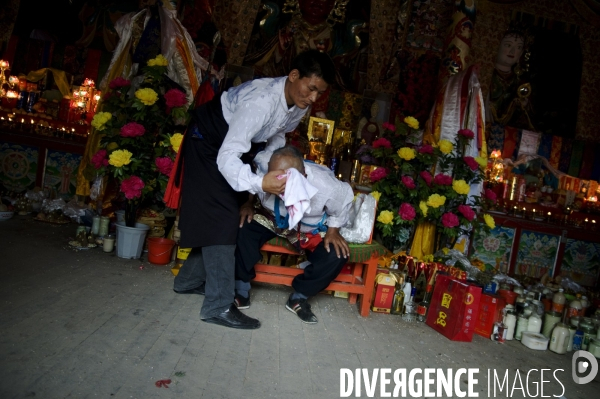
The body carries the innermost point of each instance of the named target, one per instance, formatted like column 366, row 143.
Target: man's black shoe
column 233, row 318
column 197, row 290
column 240, row 302
column 302, row 310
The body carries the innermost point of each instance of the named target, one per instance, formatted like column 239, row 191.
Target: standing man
column 318, row 233
column 214, row 176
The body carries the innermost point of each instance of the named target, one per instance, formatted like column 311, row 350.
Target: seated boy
column 317, row 233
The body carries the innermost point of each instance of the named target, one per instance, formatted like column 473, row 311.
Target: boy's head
column 285, row 158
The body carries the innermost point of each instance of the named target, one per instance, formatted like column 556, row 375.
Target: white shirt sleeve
column 246, row 122
column 338, row 205
column 262, row 158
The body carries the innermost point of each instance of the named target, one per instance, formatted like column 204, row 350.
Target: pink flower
column 466, row 133
column 99, row 159
column 388, row 126
column 471, row 162
column 489, row 194
column 175, row 98
column 450, row 220
column 164, row 165
column 378, row 174
column 408, row 182
column 119, row 82
column 132, row 129
column 425, row 175
column 467, row 212
column 132, row 187
column 442, row 179
column 382, row 142
column 426, row 149
column 407, row 212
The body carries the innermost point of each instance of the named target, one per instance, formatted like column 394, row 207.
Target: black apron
column 209, row 212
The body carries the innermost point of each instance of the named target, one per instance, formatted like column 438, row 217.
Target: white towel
column 297, row 195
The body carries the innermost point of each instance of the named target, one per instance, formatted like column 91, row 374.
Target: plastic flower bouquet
column 425, row 183
column 140, row 134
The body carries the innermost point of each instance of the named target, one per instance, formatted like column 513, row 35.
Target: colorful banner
column 581, row 262
column 565, row 155
column 537, row 254
column 545, row 148
column 18, row 167
column 493, row 251
column 576, row 158
column 555, row 152
column 61, row 172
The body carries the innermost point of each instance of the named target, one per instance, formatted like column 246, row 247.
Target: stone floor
column 88, row 324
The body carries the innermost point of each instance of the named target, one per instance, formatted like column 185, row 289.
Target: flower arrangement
column 425, row 183
column 139, row 134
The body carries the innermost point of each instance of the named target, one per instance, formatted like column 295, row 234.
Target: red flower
column 132, row 187
column 378, row 174
column 450, row 220
column 99, row 159
column 467, row 212
column 407, row 212
column 471, row 162
column 119, row 82
column 389, row 126
column 164, row 165
column 425, row 175
column 175, row 98
column 466, row 133
column 132, row 129
column 426, row 149
column 382, row 142
column 489, row 194
column 442, row 179
column 408, row 182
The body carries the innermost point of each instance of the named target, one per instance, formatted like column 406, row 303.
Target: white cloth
column 333, row 198
column 256, row 111
column 297, row 195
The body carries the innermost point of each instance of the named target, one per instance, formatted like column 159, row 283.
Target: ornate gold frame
column 330, row 128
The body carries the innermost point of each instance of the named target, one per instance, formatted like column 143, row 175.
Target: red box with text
column 453, row 308
column 490, row 312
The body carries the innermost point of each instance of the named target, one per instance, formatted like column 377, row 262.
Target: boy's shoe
column 302, row 310
column 240, row 302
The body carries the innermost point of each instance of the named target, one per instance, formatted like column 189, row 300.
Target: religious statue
column 509, row 100
column 314, row 24
column 370, row 129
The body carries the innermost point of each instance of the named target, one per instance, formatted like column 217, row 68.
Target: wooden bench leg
column 365, row 300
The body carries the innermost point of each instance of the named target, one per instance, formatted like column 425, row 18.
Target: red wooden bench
column 363, row 260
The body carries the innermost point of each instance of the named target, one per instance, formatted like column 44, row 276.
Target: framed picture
column 537, row 254
column 492, row 251
column 581, row 262
column 320, row 130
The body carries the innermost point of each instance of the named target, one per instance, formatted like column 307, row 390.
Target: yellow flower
column 489, row 221
column 407, row 153
column 445, row 146
column 119, row 158
column 481, row 161
column 376, row 194
column 176, row 141
column 445, row 250
column 436, row 200
column 428, row 258
column 112, row 146
column 461, row 187
column 386, row 217
column 424, row 207
column 146, row 96
column 411, row 122
column 100, row 119
column 158, row 61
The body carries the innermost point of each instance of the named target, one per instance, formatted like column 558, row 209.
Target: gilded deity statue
column 314, row 24
column 509, row 97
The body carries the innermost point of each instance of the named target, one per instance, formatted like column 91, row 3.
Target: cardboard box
column 490, row 312
column 454, row 308
column 384, row 293
column 341, row 294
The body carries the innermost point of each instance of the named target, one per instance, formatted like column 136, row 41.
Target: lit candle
column 549, row 213
column 586, row 220
column 593, row 222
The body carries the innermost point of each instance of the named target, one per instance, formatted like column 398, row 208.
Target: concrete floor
column 88, row 324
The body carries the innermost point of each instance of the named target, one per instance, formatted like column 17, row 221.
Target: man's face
column 285, row 162
column 303, row 92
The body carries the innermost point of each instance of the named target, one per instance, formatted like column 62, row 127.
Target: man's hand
column 247, row 211
column 272, row 184
column 334, row 238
